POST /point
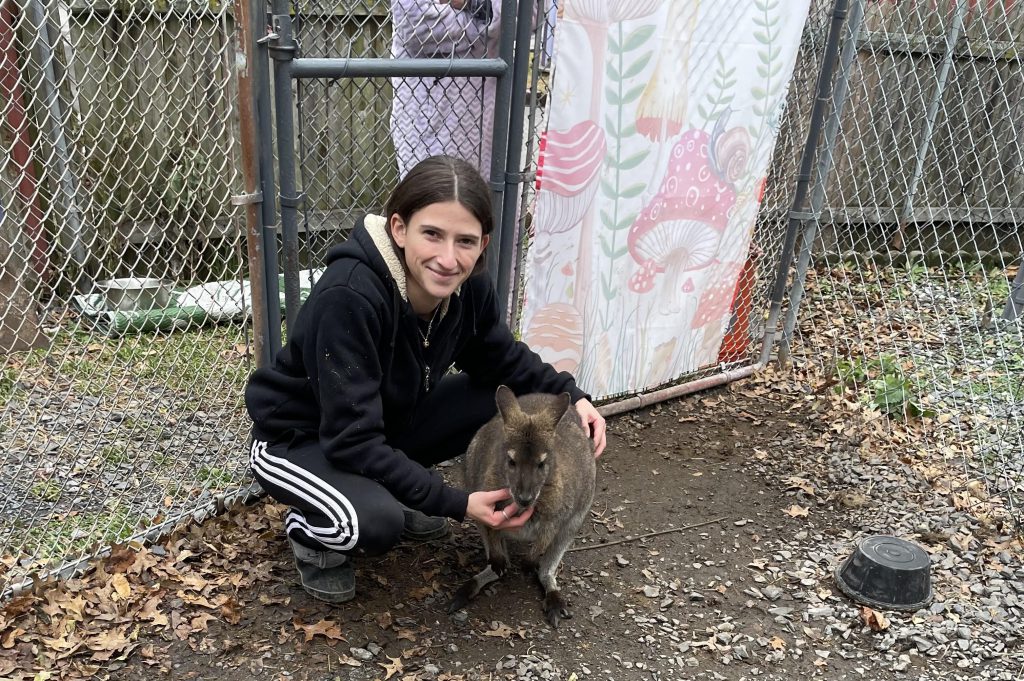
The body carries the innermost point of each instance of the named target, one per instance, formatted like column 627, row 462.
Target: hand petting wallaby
column 537, row 447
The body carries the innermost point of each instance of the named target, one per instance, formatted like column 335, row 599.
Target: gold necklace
column 430, row 325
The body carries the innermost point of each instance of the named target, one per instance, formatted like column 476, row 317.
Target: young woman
column 359, row 404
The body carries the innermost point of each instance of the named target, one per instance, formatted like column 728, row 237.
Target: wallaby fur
column 537, row 447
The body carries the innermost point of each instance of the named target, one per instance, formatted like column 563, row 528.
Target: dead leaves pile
column 80, row 628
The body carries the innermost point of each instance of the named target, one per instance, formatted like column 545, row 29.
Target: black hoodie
column 353, row 370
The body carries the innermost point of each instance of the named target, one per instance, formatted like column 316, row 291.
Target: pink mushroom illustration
column 683, row 224
column 568, row 181
column 556, row 333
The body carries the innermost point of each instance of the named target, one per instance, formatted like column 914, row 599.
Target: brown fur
column 537, row 447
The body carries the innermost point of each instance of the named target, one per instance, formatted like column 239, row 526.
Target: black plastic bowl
column 887, row 573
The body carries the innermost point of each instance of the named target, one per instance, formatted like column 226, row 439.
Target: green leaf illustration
column 638, row 38
column 632, row 190
column 608, row 188
column 637, row 66
column 611, row 71
column 633, row 93
column 613, row 44
column 633, row 161
column 606, row 289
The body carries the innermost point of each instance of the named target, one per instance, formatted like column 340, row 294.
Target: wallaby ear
column 560, row 405
column 508, row 406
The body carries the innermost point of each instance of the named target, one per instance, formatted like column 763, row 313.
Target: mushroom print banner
column 663, row 116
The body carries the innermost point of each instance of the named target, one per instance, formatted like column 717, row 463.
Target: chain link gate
column 335, row 146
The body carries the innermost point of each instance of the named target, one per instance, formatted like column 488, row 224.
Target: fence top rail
column 370, row 68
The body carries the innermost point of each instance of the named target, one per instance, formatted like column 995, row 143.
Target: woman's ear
column 398, row 229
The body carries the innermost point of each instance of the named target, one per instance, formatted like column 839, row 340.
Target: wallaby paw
column 555, row 609
column 461, row 598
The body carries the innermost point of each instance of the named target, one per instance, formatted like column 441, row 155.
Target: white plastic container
column 135, row 294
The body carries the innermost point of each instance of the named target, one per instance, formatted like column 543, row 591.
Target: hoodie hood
column 372, row 245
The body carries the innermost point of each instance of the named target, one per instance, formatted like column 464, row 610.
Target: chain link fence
column 123, row 333
column 906, row 295
column 122, row 140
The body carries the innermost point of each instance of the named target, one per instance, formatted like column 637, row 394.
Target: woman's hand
column 594, row 423
column 481, row 507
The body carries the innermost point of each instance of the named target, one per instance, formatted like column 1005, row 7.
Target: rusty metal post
column 249, row 23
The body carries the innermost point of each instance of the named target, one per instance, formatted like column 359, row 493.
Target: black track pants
column 340, row 511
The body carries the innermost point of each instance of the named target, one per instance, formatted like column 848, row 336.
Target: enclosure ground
column 778, row 483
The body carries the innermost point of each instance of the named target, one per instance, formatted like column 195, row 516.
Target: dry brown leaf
column 873, row 619
column 797, row 511
column 325, row 627
column 121, row 586
column 500, row 630
column 11, row 637
column 802, row 484
column 200, row 622
column 231, row 611
column 777, row 643
column 393, row 668
column 151, row 611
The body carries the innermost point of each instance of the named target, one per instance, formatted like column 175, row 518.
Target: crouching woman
column 357, row 408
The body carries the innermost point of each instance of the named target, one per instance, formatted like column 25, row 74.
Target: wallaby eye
column 511, row 462
column 540, row 465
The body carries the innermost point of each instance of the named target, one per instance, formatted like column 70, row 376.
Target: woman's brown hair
column 438, row 179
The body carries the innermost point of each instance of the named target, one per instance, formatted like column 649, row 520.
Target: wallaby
column 537, row 447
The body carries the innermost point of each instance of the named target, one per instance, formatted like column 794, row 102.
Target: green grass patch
column 76, row 534
column 46, row 490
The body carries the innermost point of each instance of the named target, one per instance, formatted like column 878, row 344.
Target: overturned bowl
column 888, row 573
column 135, row 294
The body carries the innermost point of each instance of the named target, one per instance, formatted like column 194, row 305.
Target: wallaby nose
column 525, row 500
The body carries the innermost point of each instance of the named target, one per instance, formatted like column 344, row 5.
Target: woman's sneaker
column 420, row 527
column 325, row 575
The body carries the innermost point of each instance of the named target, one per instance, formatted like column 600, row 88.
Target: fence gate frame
column 267, row 117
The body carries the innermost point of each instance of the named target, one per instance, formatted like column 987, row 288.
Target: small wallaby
column 536, row 446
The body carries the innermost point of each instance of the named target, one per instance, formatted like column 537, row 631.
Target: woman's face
column 442, row 243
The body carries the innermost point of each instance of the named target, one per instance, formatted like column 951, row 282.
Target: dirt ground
column 707, row 555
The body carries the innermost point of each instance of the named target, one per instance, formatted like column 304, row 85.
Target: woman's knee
column 379, row 527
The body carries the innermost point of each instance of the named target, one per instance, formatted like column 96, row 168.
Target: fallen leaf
column 199, row 622
column 500, row 631
column 121, row 586
column 796, row 511
column 393, row 668
column 873, row 619
column 802, row 484
column 325, row 627
column 777, row 643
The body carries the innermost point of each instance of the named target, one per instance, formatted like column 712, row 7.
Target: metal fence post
column 796, row 214
column 282, row 51
column 499, row 140
column 268, row 184
column 906, row 214
column 1015, row 302
column 506, row 231
column 252, row 199
column 825, row 165
column 66, row 190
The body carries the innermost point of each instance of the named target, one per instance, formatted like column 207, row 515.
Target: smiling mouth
column 443, row 275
